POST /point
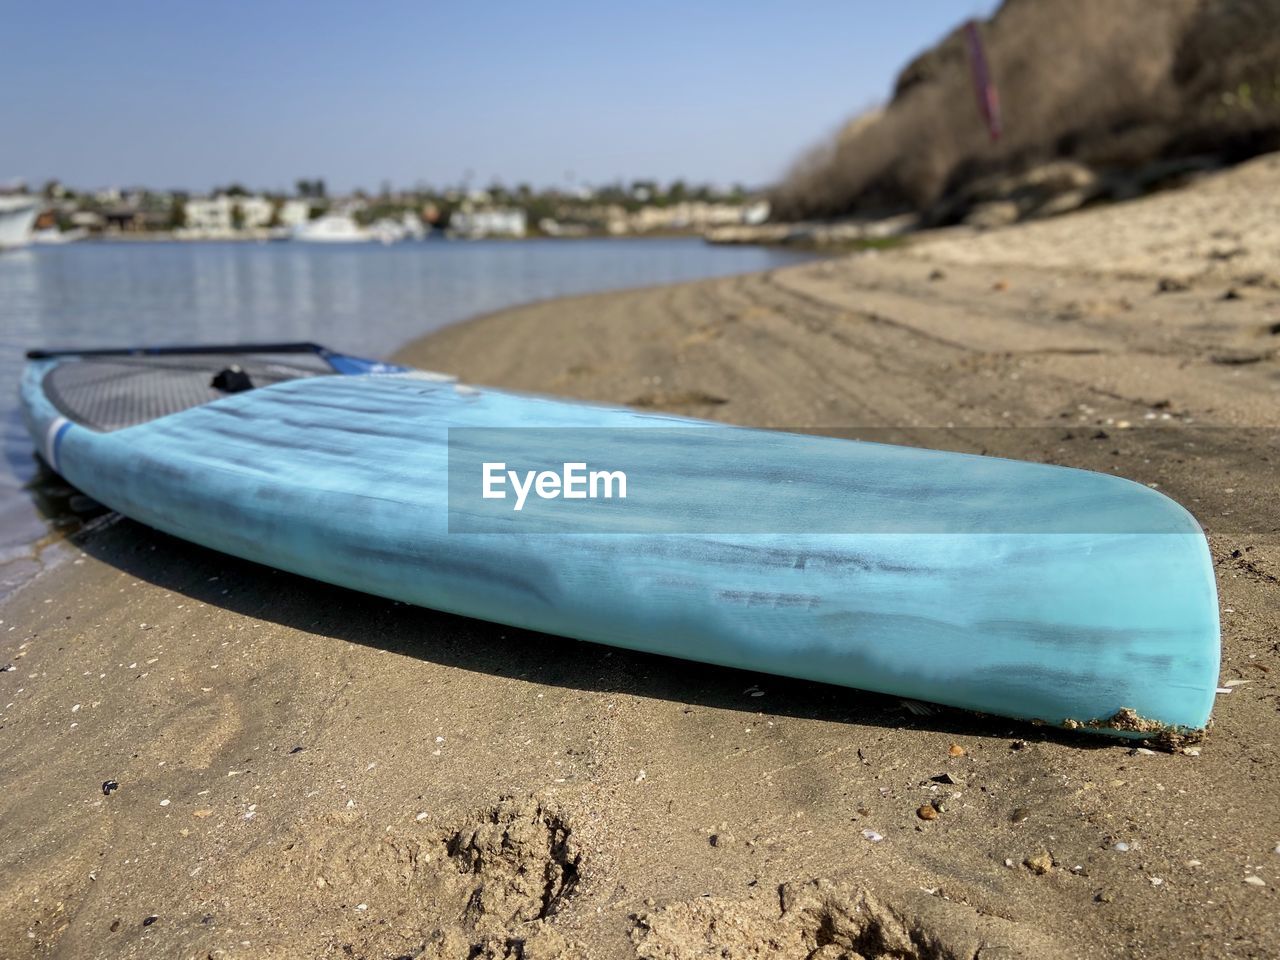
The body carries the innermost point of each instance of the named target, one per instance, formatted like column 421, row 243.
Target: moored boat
column 17, row 215
column 52, row 236
column 331, row 228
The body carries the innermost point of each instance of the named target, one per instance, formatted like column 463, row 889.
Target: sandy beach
column 202, row 757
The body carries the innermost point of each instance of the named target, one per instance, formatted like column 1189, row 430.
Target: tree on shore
column 311, row 189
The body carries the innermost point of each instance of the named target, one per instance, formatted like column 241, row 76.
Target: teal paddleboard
column 1019, row 589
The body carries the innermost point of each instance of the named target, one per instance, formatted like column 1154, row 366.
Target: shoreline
column 310, row 769
column 266, row 237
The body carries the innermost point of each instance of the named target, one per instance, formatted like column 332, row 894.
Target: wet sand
column 304, row 771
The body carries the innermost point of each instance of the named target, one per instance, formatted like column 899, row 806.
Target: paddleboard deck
column 1024, row 590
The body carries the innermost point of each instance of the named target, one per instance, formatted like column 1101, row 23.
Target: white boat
column 387, row 230
column 17, row 214
column 331, row 228
column 413, row 227
column 52, row 235
column 395, row 230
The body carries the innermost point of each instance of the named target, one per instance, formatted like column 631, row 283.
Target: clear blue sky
column 191, row 95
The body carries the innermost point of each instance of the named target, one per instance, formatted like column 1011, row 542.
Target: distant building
column 208, row 214
column 492, row 222
column 294, row 213
column 255, row 212
column 685, row 217
column 224, row 215
column 351, row 206
column 125, row 218
column 88, row 220
column 555, row 228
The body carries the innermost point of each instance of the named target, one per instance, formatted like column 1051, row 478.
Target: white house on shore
column 294, row 213
column 225, row 215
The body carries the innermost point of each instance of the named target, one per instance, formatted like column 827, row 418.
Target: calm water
column 363, row 299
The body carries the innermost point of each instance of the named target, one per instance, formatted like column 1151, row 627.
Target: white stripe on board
column 51, row 441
